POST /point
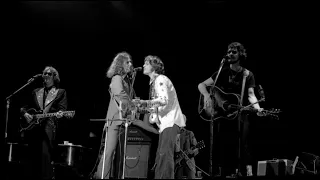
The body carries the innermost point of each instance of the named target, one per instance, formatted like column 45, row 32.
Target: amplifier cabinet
column 137, row 161
column 277, row 167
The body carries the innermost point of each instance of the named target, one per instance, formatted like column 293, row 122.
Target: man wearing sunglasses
column 41, row 138
column 234, row 81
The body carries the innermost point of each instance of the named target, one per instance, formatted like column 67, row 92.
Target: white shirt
column 169, row 113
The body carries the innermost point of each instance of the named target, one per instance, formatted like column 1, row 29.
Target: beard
column 234, row 61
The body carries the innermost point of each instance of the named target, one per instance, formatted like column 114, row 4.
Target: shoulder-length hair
column 55, row 74
column 240, row 48
column 116, row 67
column 156, row 63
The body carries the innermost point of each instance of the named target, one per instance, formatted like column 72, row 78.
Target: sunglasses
column 47, row 73
column 232, row 52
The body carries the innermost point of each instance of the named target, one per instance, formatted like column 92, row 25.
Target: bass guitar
column 37, row 118
column 226, row 106
column 184, row 156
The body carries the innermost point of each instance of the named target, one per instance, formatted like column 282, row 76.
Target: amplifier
column 136, row 134
column 137, row 154
column 276, row 167
column 137, row 161
column 135, row 139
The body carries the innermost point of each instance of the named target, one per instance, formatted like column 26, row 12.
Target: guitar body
column 188, row 162
column 35, row 120
column 183, row 157
column 224, row 105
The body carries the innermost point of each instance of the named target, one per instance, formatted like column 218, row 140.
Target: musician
column 230, row 80
column 185, row 141
column 120, row 89
column 168, row 115
column 41, row 139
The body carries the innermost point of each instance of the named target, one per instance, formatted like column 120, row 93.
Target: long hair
column 116, row 67
column 240, row 48
column 156, row 63
column 55, row 74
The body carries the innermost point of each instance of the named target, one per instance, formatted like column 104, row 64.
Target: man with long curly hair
column 166, row 114
column 230, row 80
column 120, row 90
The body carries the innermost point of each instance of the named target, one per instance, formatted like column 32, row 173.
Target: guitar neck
column 186, row 152
column 45, row 115
column 143, row 110
column 64, row 113
column 149, row 103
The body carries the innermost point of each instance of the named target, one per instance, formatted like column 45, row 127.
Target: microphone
column 225, row 58
column 137, row 69
column 36, row 76
column 261, row 92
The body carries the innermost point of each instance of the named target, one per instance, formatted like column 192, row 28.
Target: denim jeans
column 165, row 153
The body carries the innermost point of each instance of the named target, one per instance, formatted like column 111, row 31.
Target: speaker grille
column 137, row 161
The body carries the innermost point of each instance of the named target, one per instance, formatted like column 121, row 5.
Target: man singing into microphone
column 167, row 115
column 230, row 80
column 41, row 138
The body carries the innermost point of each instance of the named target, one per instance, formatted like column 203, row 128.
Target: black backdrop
column 80, row 39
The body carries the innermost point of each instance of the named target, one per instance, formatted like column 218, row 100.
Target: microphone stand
column 8, row 105
column 126, row 124
column 212, row 122
column 134, row 73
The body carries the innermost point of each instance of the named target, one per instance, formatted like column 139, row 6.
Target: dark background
column 80, row 39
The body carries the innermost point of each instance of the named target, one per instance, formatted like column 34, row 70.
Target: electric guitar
column 226, row 106
column 184, row 156
column 37, row 118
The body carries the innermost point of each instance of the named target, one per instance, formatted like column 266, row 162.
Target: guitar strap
column 245, row 75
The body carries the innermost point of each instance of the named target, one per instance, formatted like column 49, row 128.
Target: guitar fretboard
column 45, row 115
column 53, row 114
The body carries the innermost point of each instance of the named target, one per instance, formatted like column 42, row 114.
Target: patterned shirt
column 169, row 113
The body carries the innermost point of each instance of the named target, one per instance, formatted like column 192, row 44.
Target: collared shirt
column 169, row 113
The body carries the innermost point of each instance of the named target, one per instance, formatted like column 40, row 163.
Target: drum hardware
column 15, row 152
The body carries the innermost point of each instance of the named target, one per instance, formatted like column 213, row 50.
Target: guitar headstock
column 272, row 112
column 200, row 144
column 68, row 114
